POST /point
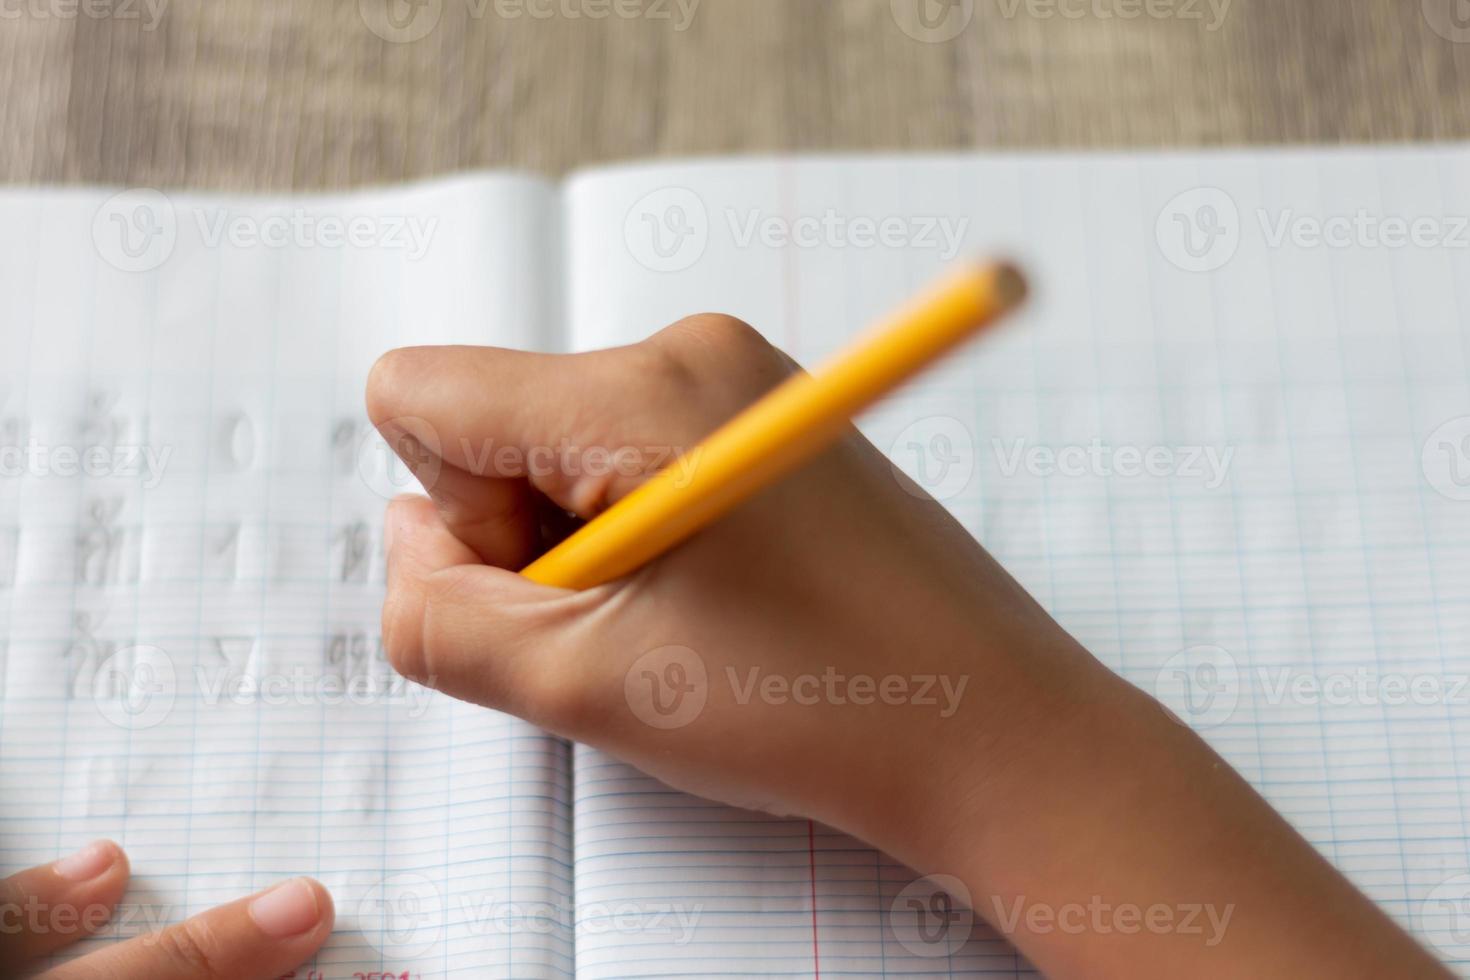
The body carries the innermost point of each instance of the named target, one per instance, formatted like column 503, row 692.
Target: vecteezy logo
column 931, row 917
column 1446, row 459
column 1201, row 685
column 932, row 21
column 667, row 688
column 667, row 230
column 1450, row 19
column 135, row 687
column 1444, row 916
column 1199, row 230
column 937, row 453
column 401, row 915
column 400, row 21
column 412, row 462
column 135, row 230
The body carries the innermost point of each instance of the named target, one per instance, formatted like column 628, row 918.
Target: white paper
column 1236, row 467
column 1226, row 446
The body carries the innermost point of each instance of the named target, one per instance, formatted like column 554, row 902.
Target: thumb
column 480, row 633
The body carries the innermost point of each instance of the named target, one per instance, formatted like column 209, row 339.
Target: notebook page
column 1227, row 446
column 671, row 885
column 190, row 645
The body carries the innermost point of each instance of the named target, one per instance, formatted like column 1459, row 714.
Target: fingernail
column 288, row 909
column 87, row 863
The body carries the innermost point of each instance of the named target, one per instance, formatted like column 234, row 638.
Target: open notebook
column 1228, row 446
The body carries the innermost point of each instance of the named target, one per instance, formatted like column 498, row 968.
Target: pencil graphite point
column 1010, row 285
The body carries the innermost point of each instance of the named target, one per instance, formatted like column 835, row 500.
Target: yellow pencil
column 779, row 433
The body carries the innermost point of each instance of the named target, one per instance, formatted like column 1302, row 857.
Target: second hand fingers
column 255, row 938
column 45, row 908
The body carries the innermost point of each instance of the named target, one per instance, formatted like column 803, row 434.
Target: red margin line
column 811, row 856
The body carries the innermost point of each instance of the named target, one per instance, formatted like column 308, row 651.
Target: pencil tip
column 1010, row 285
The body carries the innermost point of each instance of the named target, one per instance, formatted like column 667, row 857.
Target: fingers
column 256, row 938
column 477, row 633
column 470, row 423
column 45, row 908
column 466, row 394
column 416, row 549
column 488, row 412
column 48, row 907
column 582, row 428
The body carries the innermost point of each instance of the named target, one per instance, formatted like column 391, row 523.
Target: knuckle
column 719, row 334
column 194, row 949
column 729, row 333
column 712, row 354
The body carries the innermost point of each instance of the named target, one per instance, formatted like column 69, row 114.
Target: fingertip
column 92, row 861
column 387, row 378
column 411, row 506
column 408, row 507
column 293, row 908
column 121, row 861
column 406, row 513
column 324, row 898
column 326, row 908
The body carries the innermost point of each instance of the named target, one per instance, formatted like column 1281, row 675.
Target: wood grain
column 275, row 94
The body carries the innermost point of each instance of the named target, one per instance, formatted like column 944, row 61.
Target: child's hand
column 829, row 649
column 839, row 648
column 47, row 908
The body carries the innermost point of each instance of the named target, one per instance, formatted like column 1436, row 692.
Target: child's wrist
column 1027, row 720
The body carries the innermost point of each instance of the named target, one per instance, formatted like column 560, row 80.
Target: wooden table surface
column 276, row 94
